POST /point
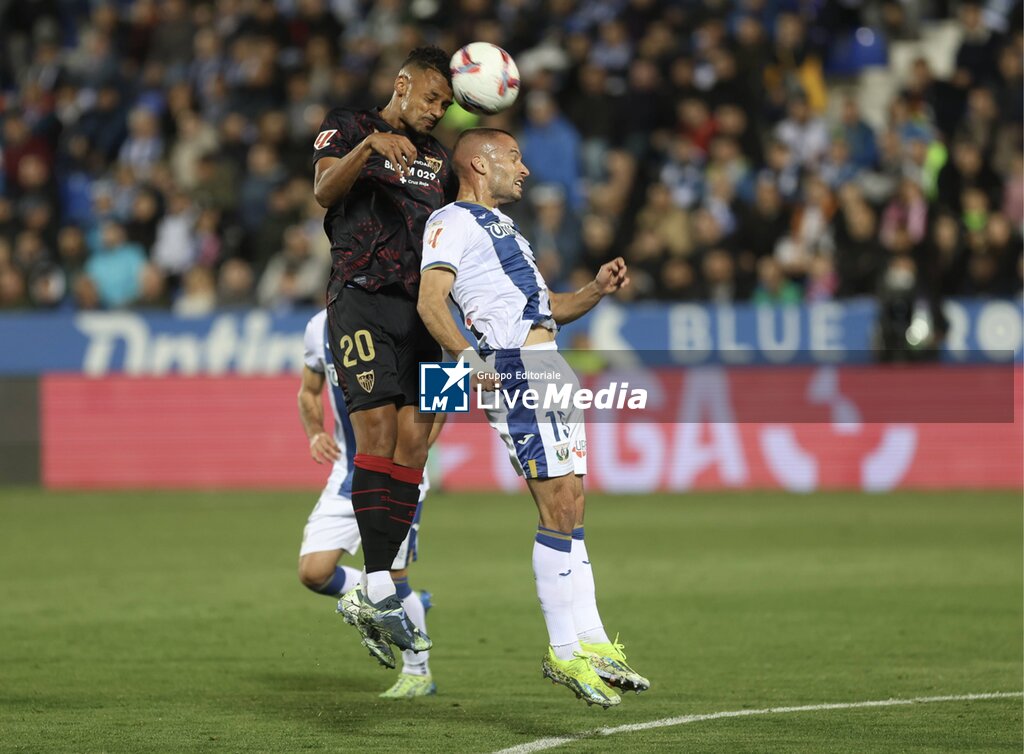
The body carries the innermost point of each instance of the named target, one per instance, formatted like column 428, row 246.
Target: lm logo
column 444, row 387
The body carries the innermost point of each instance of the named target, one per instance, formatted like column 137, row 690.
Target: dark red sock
column 371, row 488
column 405, row 495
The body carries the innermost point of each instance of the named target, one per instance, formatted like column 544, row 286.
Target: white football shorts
column 551, row 439
column 332, row 526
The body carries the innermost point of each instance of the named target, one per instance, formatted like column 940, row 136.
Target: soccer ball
column 484, row 78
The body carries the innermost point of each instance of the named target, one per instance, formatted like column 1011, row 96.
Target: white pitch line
column 550, row 743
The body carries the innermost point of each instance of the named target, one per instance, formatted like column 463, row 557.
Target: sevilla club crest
column 365, row 380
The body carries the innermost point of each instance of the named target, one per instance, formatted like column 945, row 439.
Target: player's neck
column 473, row 197
column 477, row 195
column 390, row 115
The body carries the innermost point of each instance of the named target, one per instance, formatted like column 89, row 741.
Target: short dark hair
column 430, row 58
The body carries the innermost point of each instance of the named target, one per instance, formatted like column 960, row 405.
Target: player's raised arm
column 322, row 446
column 335, row 176
column 566, row 307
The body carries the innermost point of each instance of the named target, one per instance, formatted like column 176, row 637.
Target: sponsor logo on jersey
column 500, row 229
column 323, row 138
column 580, row 449
column 433, row 233
column 366, row 380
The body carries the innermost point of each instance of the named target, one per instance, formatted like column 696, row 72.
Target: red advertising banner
column 231, row 432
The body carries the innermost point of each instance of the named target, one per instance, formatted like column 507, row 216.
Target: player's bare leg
column 607, row 657
column 320, row 572
column 564, row 661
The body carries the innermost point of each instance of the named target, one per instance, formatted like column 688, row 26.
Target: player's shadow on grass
column 341, row 702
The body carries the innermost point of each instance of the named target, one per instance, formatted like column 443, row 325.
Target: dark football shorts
column 377, row 343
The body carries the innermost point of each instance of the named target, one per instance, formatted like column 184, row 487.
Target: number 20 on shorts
column 363, row 345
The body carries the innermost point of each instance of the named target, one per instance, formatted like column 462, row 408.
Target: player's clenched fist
column 395, row 148
column 612, row 276
column 323, row 448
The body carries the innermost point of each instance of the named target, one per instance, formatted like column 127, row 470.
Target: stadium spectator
column 144, row 145
column 773, row 287
column 793, row 67
column 198, row 293
column 905, row 219
column 683, row 173
column 113, row 111
column 554, row 233
column 153, row 289
column 668, row 222
column 719, row 276
column 294, row 276
column 975, row 60
column 13, row 290
column 552, row 144
column 115, row 267
column 592, row 110
column 804, row 134
column 235, row 285
column 174, row 248
column 859, row 255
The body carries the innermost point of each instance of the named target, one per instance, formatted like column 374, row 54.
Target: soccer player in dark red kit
column 380, row 174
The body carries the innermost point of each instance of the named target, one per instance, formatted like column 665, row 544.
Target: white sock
column 352, row 576
column 379, row 585
column 587, row 620
column 415, row 663
column 552, row 569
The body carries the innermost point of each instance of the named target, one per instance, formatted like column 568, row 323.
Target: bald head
column 477, row 142
column 489, row 166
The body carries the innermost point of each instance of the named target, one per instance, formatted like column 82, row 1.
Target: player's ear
column 402, row 84
column 479, row 164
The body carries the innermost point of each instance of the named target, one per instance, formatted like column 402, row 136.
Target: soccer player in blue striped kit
column 474, row 253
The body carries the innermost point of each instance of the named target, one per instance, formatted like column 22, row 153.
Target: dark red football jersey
column 376, row 231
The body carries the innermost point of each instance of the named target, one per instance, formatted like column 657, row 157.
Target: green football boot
column 579, row 677
column 609, row 662
column 411, row 686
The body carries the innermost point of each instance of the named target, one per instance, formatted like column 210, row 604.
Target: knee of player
column 313, row 575
column 414, row 458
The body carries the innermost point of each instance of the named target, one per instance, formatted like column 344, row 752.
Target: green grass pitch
column 165, row 622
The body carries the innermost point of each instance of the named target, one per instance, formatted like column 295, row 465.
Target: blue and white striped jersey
column 497, row 286
column 317, row 356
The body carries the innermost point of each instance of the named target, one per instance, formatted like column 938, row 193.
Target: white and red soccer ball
column 485, row 78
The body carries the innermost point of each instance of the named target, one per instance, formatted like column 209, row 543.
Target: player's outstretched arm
column 335, row 176
column 566, row 307
column 322, row 446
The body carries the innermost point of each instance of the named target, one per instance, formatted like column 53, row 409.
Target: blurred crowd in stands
column 157, row 154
